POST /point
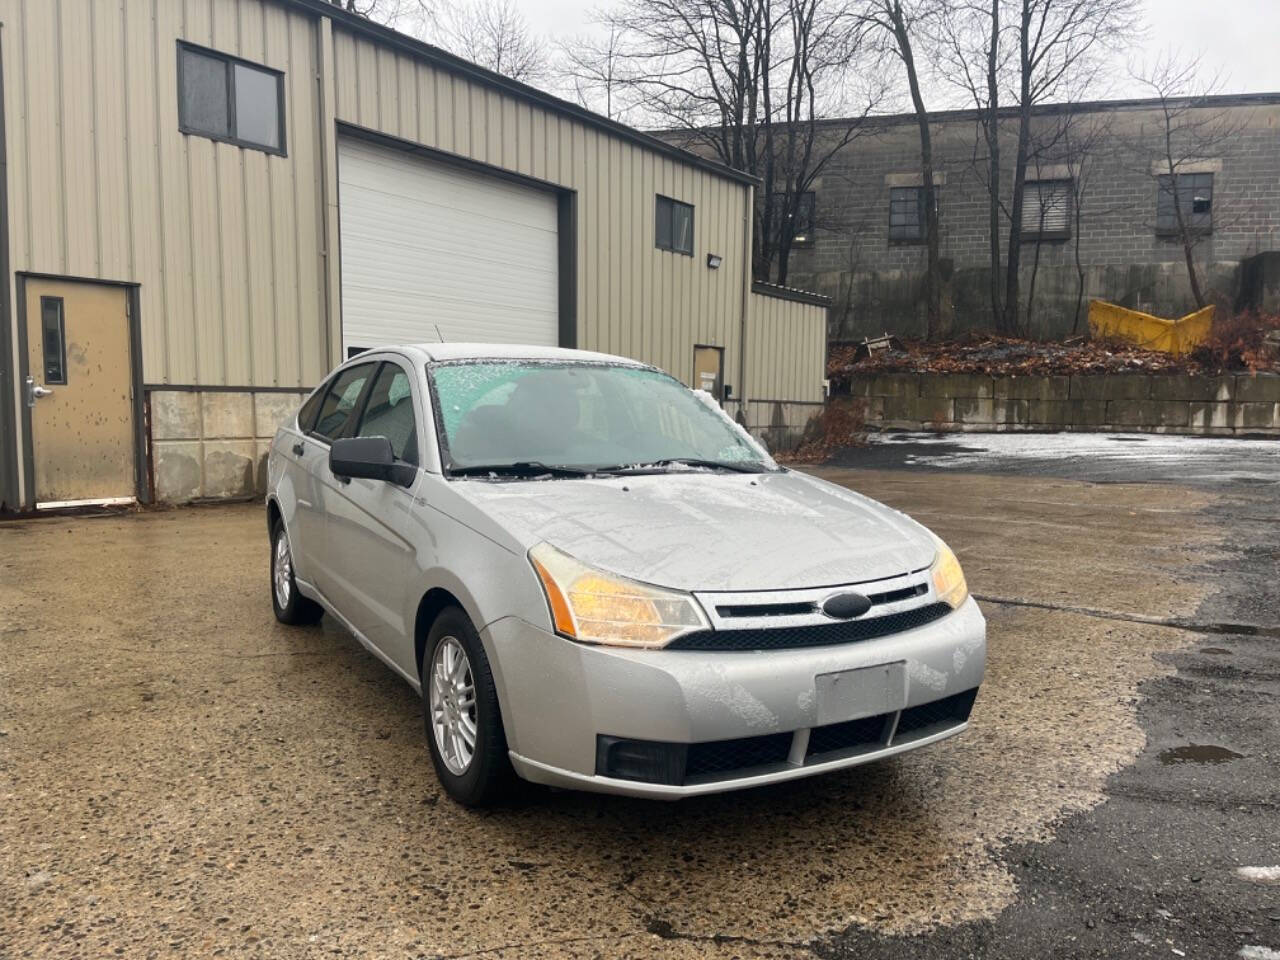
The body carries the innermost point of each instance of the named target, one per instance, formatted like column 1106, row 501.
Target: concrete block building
column 207, row 204
column 1100, row 161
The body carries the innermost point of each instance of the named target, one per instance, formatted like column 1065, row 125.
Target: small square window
column 1194, row 201
column 227, row 99
column 674, row 222
column 1046, row 210
column 907, row 214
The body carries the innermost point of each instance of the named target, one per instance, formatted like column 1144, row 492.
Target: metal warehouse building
column 210, row 203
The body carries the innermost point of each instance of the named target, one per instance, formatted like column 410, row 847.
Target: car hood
column 710, row 531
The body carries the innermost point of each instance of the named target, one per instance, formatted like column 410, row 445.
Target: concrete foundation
column 1229, row 405
column 213, row 443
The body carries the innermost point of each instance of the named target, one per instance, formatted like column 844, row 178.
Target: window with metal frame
column 907, row 214
column 674, row 226
column 389, row 413
column 1046, row 210
column 1194, row 199
column 340, row 400
column 229, row 99
column 53, row 336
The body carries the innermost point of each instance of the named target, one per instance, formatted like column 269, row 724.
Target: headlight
column 948, row 578
column 592, row 606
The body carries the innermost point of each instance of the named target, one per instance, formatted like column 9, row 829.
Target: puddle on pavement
column 1216, row 651
column 1198, row 753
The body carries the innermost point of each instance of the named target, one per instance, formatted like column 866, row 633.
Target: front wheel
column 290, row 606
column 464, row 725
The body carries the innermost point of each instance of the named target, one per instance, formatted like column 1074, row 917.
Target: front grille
column 721, row 756
column 816, row 635
column 893, row 596
column 928, row 718
column 842, row 737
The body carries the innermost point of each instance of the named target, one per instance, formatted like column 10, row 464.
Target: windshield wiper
column 754, row 467
column 521, row 468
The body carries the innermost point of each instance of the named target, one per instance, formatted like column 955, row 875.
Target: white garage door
column 426, row 244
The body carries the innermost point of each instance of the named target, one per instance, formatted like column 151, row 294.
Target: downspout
column 332, row 293
column 11, row 453
column 747, row 222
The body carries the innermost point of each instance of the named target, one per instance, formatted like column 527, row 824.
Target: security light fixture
column 714, row 260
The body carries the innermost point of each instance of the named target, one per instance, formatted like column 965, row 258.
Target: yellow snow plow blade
column 1153, row 333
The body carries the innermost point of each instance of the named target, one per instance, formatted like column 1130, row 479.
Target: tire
column 485, row 777
column 290, row 606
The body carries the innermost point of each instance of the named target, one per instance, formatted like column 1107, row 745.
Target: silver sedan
column 598, row 580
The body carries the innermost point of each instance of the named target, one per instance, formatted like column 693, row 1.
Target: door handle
column 298, row 449
column 35, row 391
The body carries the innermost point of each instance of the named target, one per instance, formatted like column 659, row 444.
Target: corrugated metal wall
column 225, row 242
column 228, row 243
column 786, row 349
column 633, row 299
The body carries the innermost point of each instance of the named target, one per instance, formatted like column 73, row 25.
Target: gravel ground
column 181, row 776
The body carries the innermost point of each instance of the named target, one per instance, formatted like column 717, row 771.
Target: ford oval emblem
column 846, row 606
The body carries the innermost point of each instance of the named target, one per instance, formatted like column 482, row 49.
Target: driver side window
column 389, row 413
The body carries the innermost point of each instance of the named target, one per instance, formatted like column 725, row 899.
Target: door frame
column 133, row 310
column 719, row 377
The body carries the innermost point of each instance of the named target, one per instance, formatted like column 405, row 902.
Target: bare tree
column 1187, row 133
column 591, row 68
column 748, row 82
column 495, row 35
column 969, row 41
column 1061, row 46
column 898, row 27
column 407, row 15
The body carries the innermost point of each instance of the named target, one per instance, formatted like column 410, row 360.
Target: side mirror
column 369, row 458
column 728, row 391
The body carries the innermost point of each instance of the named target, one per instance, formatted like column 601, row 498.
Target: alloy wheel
column 282, row 571
column 452, row 699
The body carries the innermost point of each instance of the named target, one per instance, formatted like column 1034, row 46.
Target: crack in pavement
column 1177, row 623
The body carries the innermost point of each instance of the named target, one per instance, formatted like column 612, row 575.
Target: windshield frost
column 574, row 414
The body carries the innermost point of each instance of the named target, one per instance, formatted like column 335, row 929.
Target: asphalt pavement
column 182, row 776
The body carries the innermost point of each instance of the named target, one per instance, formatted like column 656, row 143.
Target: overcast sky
column 1239, row 37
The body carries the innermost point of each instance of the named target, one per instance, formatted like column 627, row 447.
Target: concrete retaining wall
column 213, row 443
column 778, row 424
column 1231, row 405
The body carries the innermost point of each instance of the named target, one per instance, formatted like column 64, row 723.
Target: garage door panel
column 425, row 244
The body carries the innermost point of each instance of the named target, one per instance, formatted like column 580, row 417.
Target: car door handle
column 299, row 449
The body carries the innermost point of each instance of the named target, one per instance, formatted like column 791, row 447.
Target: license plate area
column 864, row 692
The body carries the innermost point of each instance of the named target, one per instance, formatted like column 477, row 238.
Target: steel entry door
column 708, row 370
column 79, row 389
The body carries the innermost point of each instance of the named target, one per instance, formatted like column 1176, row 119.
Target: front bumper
column 558, row 697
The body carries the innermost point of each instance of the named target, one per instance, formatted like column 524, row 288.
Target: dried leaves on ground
column 1245, row 343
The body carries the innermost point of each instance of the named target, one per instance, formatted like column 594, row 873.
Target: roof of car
column 513, row 351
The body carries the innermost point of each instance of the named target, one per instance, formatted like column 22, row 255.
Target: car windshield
column 529, row 417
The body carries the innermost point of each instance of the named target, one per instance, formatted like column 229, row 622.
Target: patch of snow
column 1259, row 874
column 972, row 450
column 1258, row 953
